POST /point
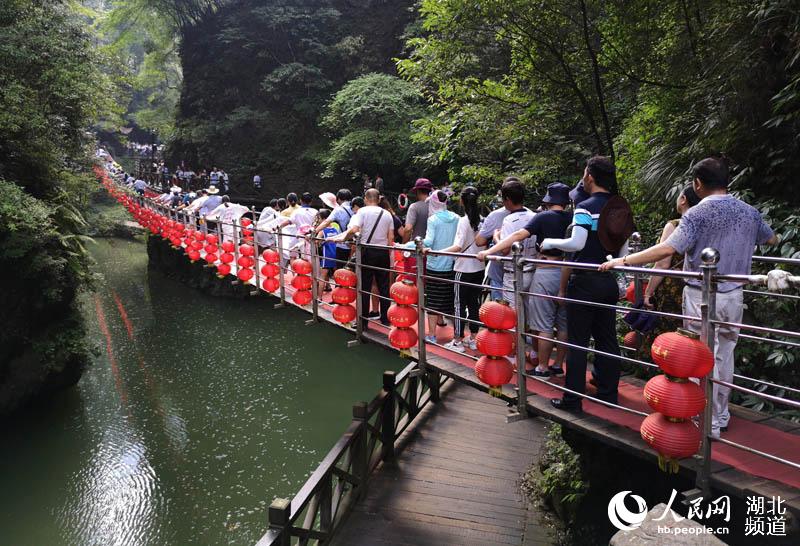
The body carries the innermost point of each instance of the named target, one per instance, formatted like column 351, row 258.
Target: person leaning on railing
column 732, row 227
column 469, row 271
column 439, row 287
column 376, row 228
column 545, row 314
column 601, row 226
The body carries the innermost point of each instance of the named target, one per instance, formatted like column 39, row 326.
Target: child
column 328, row 249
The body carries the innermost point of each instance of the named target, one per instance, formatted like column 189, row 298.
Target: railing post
column 635, row 246
column 519, row 303
column 236, row 250
column 708, row 310
column 314, row 279
column 359, row 290
column 387, row 417
column 256, row 265
column 359, row 454
column 325, row 504
column 281, row 273
column 279, row 520
column 421, row 325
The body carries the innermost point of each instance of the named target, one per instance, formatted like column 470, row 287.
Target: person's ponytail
column 469, row 200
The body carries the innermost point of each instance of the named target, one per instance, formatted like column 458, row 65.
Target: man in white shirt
column 267, row 221
column 376, row 228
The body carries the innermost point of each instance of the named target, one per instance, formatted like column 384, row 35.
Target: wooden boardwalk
column 454, row 481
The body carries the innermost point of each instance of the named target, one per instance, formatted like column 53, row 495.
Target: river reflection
column 196, row 413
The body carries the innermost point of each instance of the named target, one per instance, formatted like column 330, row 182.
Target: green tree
column 370, row 120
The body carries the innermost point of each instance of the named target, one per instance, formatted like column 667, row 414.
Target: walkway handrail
column 343, row 475
column 285, row 517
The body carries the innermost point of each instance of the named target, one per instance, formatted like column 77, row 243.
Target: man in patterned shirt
column 732, row 227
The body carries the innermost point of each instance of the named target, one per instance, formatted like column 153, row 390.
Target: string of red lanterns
column 402, row 315
column 496, row 342
column 675, row 399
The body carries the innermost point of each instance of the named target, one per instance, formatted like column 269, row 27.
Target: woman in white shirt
column 468, row 270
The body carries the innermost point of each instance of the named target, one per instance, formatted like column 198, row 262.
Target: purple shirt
column 727, row 224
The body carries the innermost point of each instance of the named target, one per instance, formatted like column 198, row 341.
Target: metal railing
column 284, row 518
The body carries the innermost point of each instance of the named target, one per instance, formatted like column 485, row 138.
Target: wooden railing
column 342, row 477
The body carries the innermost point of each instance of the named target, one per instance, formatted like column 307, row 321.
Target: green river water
column 196, row 413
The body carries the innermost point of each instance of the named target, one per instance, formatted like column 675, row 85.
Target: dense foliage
column 51, row 92
column 258, row 75
column 371, row 119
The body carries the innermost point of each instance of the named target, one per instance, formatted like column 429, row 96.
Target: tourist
column 356, row 204
column 341, row 215
column 733, row 228
column 379, row 183
column 328, row 248
column 468, row 271
column 257, row 182
column 227, row 215
column 265, row 226
column 439, row 287
column 367, row 183
column 491, row 226
column 292, row 206
column 591, row 245
column 302, row 218
column 175, row 197
column 375, row 227
column 670, row 302
column 544, row 314
column 224, row 179
column 212, row 202
column 139, row 186
column 417, row 215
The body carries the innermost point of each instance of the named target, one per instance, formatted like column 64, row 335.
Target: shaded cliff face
column 257, row 75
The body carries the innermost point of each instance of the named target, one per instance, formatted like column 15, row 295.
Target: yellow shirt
column 288, row 211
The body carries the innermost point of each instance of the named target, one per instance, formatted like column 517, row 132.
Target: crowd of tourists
column 589, row 223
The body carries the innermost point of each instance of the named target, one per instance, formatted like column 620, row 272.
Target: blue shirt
column 727, row 224
column 210, row 204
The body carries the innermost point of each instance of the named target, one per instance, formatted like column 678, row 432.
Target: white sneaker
column 430, row 339
column 472, row 343
column 454, row 345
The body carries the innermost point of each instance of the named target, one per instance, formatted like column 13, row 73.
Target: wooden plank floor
column 456, row 480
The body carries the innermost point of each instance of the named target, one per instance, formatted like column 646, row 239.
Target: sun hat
column 212, row 190
column 176, row 189
column 557, row 194
column 329, row 199
column 578, row 194
column 422, row 184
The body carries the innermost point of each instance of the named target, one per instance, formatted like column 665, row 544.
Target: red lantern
column 223, row 270
column 210, row 249
column 199, row 235
column 302, row 297
column 674, row 398
column 245, row 261
column 344, row 277
column 498, row 315
column 301, row 266
column 211, row 239
column 344, row 313
column 494, row 371
column 271, row 256
column 211, row 258
column 270, row 284
column 630, row 292
column 343, row 295
column 176, row 241
column 402, row 338
column 245, row 274
column 270, row 270
column 196, row 245
column 226, row 258
column 402, row 316
column 194, row 255
column 228, row 246
column 673, row 439
column 247, row 234
column 495, row 342
column 246, row 250
column 404, row 292
column 631, row 340
column 682, row 354
column 301, row 282
column 246, row 222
